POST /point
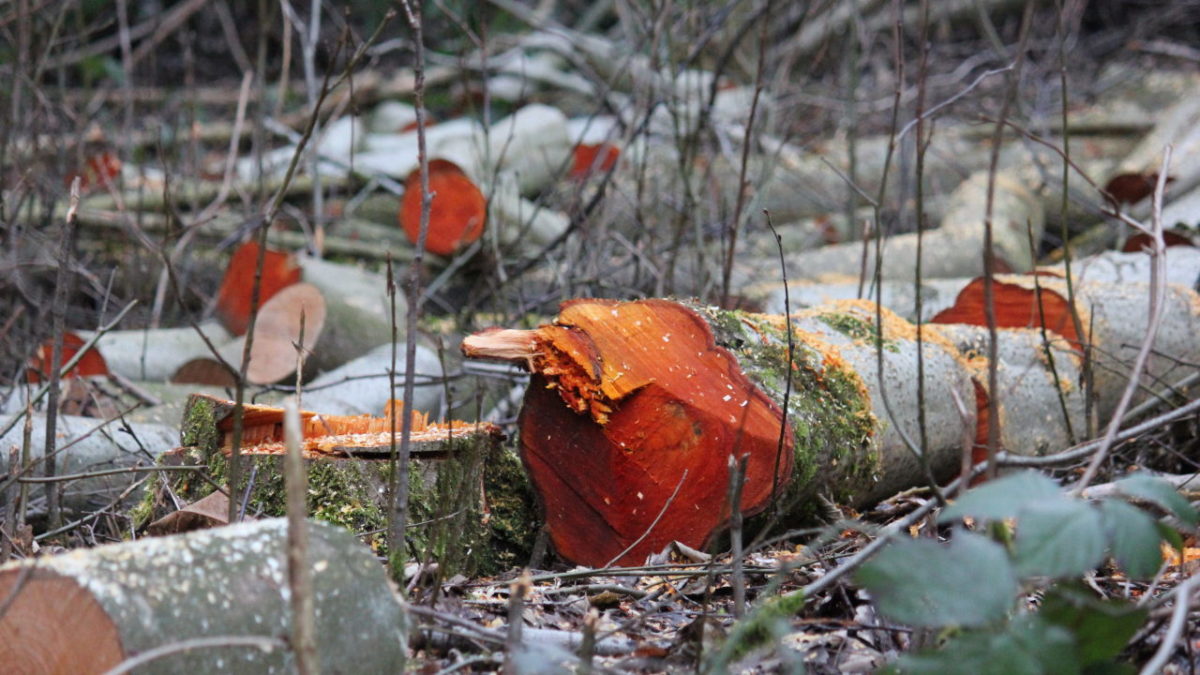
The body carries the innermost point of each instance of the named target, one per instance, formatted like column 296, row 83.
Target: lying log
column 1110, row 320
column 343, row 285
column 955, row 249
column 279, row 271
column 460, row 214
column 898, row 296
column 155, row 354
column 360, row 386
column 93, row 447
column 635, row 408
column 532, row 144
column 346, row 313
column 1039, row 387
column 470, row 508
column 292, row 320
column 1182, row 266
column 89, row 610
column 1178, row 126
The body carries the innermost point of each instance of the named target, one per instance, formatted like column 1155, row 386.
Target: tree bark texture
column 88, row 610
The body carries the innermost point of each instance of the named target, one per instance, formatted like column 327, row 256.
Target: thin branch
column 260, row 642
column 1183, row 604
column 1158, row 292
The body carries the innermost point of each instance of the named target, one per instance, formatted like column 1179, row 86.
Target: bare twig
column 260, row 642
column 735, row 224
column 516, row 607
column 58, row 311
column 399, row 507
column 1158, row 290
column 1183, row 604
column 989, row 254
column 304, row 640
column 62, row 478
column 737, row 475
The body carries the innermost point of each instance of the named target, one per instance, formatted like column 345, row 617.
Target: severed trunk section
column 469, row 500
column 634, row 408
column 88, row 610
column 1109, row 320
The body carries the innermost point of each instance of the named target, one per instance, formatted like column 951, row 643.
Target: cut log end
column 50, row 617
column 457, row 212
column 1017, row 305
column 632, row 414
column 92, row 363
column 233, row 299
column 589, row 158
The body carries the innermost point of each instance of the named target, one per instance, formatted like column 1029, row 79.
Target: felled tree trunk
column 955, row 248
column 469, row 501
column 1110, row 320
column 1182, row 267
column 90, row 451
column 634, row 410
column 89, row 610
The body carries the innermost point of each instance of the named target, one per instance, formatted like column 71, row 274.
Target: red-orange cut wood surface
column 630, row 418
column 233, row 299
column 1142, row 241
column 593, row 158
column 1016, row 307
column 92, row 362
column 457, row 212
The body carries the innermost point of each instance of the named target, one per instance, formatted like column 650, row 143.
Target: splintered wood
column 324, row 435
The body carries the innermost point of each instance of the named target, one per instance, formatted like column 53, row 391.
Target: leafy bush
column 968, row 588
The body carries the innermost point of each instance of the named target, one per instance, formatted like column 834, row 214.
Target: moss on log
column 471, row 509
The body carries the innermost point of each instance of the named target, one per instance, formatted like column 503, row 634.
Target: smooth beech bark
column 87, row 610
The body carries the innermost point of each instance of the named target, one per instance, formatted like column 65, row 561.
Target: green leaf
column 1133, row 538
column 1162, row 494
column 1101, row 628
column 1004, row 497
column 968, row 582
column 1170, row 535
column 1028, row 646
column 1058, row 538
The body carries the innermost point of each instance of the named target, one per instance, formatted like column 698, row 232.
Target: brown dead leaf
column 212, row 511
